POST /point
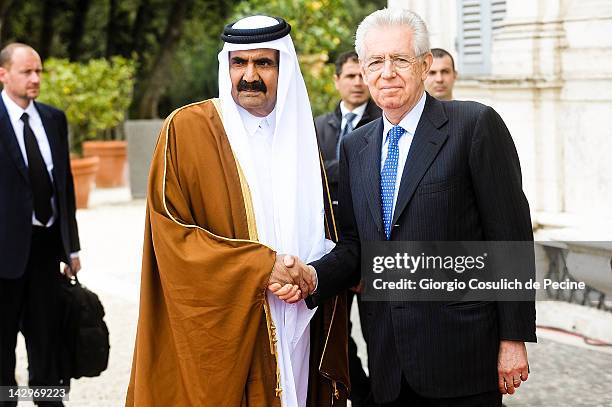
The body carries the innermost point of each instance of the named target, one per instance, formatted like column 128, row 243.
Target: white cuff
column 316, row 278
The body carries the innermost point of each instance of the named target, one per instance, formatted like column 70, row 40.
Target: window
column 478, row 22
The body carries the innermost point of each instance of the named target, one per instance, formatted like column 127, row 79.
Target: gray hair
column 389, row 17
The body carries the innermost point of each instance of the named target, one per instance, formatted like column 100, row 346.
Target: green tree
column 151, row 31
column 175, row 43
column 321, row 29
column 94, row 95
column 317, row 37
column 195, row 64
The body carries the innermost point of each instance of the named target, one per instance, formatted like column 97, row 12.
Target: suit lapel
column 427, row 142
column 369, row 157
column 333, row 122
column 368, row 114
column 335, row 119
column 331, row 137
column 53, row 138
column 9, row 139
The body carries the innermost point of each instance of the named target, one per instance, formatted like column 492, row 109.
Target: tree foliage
column 175, row 43
column 95, row 95
column 321, row 29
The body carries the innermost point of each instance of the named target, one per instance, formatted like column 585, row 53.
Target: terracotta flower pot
column 83, row 173
column 113, row 161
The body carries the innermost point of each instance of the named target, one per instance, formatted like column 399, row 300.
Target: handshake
column 291, row 280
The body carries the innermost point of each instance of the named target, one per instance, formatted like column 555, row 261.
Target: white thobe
column 292, row 321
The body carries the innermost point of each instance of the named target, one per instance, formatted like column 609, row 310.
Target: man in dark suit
column 442, row 75
column 38, row 228
column 428, row 171
column 353, row 111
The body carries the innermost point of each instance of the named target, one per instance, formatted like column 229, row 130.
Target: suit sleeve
column 329, row 156
column 503, row 208
column 339, row 269
column 73, row 229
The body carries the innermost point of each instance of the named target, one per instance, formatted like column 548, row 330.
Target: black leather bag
column 84, row 345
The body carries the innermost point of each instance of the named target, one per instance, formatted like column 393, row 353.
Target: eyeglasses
column 399, row 62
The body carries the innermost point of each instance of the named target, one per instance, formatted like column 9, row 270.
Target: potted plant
column 95, row 97
column 84, row 171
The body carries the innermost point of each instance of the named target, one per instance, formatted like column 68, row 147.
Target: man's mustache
column 252, row 86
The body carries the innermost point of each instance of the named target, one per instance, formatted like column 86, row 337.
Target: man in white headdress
column 234, row 183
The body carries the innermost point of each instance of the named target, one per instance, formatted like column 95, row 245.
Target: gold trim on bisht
column 252, row 227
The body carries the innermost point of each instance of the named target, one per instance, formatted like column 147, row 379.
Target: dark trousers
column 361, row 394
column 29, row 304
column 409, row 398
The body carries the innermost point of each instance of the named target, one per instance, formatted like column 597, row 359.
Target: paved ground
column 565, row 372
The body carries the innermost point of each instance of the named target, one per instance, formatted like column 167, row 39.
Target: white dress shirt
column 15, row 112
column 359, row 111
column 408, row 123
column 260, row 131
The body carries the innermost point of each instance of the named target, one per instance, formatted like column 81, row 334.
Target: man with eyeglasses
column 354, row 110
column 428, row 171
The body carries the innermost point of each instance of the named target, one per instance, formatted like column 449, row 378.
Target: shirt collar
column 359, row 110
column 252, row 123
column 14, row 110
column 409, row 122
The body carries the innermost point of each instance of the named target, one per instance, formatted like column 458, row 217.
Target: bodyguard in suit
column 38, row 228
column 442, row 75
column 353, row 111
column 428, row 171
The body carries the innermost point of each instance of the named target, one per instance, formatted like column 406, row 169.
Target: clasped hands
column 291, row 280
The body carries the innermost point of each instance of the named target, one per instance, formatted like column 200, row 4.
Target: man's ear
column 364, row 75
column 336, row 79
column 426, row 65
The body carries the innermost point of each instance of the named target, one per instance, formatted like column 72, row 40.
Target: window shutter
column 498, row 13
column 478, row 20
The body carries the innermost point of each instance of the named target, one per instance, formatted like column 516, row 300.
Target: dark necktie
column 40, row 181
column 348, row 127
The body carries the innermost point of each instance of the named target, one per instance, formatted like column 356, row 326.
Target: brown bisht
column 204, row 335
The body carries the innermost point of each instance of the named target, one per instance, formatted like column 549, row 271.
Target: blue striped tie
column 388, row 177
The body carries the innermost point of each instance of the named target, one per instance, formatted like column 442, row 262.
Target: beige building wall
column 441, row 19
column 551, row 80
